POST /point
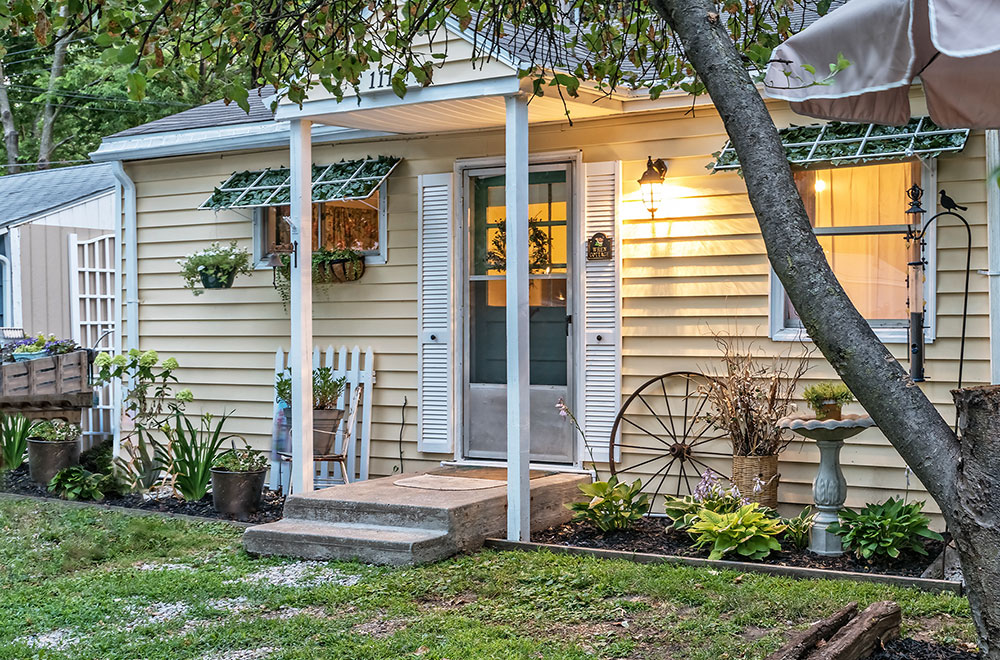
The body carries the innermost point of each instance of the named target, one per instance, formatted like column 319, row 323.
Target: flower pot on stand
column 829, row 410
column 212, row 281
column 757, row 472
column 237, row 493
column 47, row 457
column 325, row 420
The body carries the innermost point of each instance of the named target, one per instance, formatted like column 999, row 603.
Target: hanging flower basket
column 345, row 270
column 214, row 281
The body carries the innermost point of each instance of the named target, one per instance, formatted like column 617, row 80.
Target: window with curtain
column 858, row 216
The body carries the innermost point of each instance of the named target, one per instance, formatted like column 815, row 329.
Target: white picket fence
column 359, row 369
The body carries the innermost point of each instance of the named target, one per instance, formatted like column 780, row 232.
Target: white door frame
column 464, row 169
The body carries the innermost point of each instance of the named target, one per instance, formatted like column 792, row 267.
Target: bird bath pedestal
column 830, row 487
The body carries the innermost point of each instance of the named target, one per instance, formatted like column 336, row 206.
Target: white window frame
column 779, row 331
column 371, row 258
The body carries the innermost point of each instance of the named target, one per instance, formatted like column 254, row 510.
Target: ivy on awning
column 346, row 180
column 838, row 143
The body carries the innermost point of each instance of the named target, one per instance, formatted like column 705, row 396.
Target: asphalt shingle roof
column 33, row 193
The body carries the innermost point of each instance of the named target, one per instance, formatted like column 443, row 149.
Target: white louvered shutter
column 435, row 426
column 601, row 282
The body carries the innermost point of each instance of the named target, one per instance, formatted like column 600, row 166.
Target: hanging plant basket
column 212, row 281
column 343, row 270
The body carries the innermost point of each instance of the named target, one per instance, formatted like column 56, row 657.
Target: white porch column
column 518, row 402
column 300, row 353
column 993, row 243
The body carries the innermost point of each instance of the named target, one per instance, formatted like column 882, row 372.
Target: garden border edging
column 126, row 510
column 925, row 584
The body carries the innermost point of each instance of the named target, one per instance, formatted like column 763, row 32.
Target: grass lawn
column 82, row 583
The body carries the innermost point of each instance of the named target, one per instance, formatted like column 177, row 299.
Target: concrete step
column 384, row 514
column 374, row 544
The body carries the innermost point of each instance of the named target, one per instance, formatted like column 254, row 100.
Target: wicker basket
column 747, row 468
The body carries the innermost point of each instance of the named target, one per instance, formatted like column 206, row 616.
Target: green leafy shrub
column 189, row 453
column 326, row 388
column 54, row 431
column 885, row 530
column 76, row 483
column 613, row 506
column 241, row 460
column 749, row 532
column 822, row 393
column 14, row 431
column 709, row 495
column 797, row 529
column 215, row 261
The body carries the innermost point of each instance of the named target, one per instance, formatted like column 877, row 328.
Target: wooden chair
column 340, row 458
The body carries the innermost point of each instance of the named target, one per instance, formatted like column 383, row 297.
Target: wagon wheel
column 661, row 434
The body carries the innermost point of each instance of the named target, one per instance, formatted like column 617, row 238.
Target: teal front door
column 550, row 327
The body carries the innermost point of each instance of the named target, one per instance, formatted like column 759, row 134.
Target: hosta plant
column 709, row 495
column 885, row 530
column 613, row 506
column 797, row 529
column 76, row 483
column 748, row 532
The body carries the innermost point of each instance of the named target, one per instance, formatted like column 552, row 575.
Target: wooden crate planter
column 56, row 387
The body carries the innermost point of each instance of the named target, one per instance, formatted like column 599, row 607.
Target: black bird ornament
column 948, row 204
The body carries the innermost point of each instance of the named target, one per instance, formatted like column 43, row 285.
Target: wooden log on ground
column 804, row 641
column 861, row 636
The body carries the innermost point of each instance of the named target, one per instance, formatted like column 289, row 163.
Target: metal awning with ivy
column 839, row 143
column 346, row 180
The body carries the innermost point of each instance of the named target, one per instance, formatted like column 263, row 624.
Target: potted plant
column 828, row 399
column 747, row 402
column 215, row 267
column 238, row 481
column 327, row 388
column 31, row 349
column 340, row 265
column 52, row 446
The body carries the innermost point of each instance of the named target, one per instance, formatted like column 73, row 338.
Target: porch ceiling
column 464, row 114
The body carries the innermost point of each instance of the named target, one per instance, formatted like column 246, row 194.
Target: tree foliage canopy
column 296, row 44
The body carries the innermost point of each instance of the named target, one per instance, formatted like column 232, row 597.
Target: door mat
column 442, row 482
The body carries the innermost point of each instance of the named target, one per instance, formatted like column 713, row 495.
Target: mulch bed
column 654, row 536
column 912, row 649
column 272, row 504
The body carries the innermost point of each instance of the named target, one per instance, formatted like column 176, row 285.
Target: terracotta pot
column 212, row 282
column 237, row 493
column 46, row 458
column 747, row 469
column 829, row 410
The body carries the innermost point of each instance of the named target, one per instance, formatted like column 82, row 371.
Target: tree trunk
column 978, row 539
column 9, row 128
column 906, row 417
column 49, row 112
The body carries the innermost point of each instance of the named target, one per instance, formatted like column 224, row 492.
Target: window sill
column 885, row 335
column 370, row 260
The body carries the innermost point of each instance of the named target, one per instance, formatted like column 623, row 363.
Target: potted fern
column 327, row 389
column 828, row 399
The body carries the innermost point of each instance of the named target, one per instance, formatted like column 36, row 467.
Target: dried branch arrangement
column 752, row 394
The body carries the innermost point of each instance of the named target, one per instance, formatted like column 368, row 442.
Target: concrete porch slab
column 380, row 522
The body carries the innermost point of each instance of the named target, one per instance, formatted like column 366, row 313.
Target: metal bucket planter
column 237, row 493
column 46, row 457
column 748, row 469
column 212, row 282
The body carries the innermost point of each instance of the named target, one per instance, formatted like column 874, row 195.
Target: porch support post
column 518, row 401
column 300, row 353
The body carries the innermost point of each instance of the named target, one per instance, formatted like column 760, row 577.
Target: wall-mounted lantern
column 651, row 184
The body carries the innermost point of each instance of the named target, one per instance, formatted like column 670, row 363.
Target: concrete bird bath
column 830, row 487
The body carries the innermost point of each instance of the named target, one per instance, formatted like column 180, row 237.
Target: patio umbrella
column 951, row 46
